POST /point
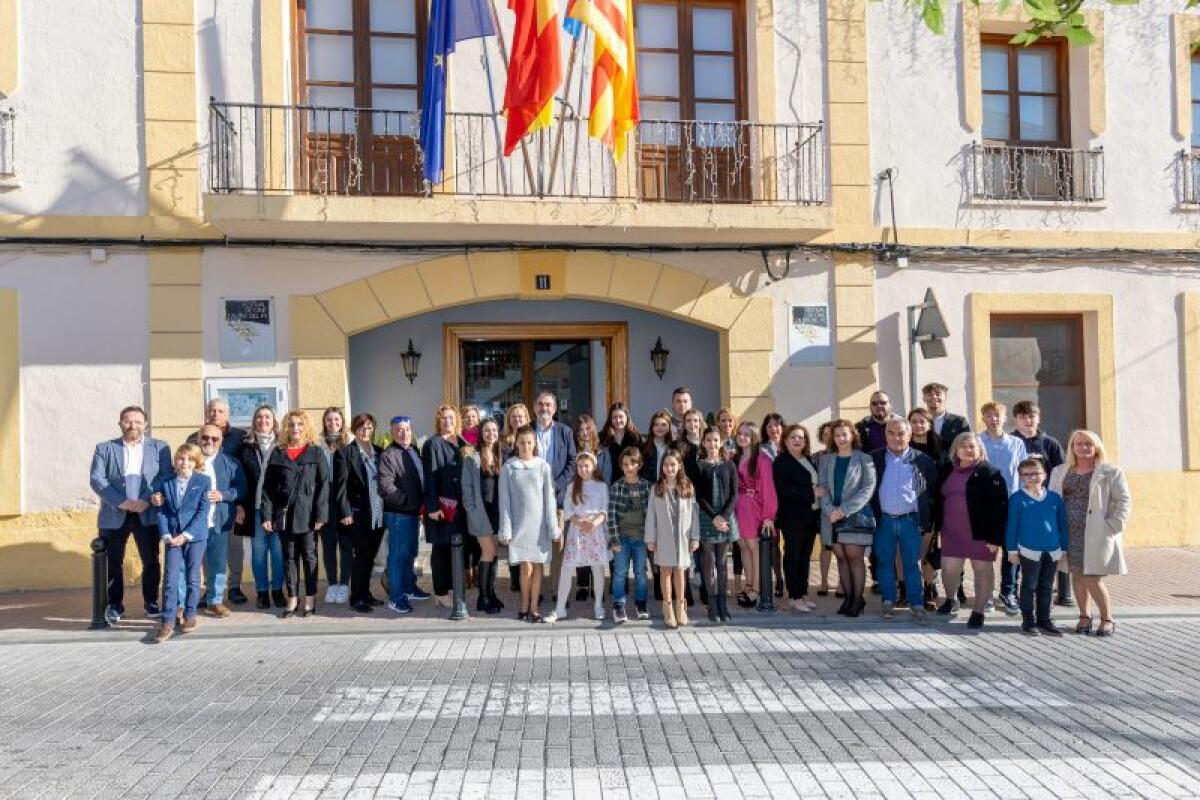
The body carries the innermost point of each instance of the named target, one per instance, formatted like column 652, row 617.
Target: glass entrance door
column 497, row 374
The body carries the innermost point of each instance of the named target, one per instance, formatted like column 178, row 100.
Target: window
column 1025, row 92
column 355, row 54
column 691, row 72
column 1040, row 358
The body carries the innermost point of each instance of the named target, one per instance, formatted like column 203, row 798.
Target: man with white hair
column 902, row 510
column 216, row 412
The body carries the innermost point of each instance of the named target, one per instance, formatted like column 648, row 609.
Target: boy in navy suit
column 182, row 501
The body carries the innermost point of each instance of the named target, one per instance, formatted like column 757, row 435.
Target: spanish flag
column 614, row 70
column 534, row 70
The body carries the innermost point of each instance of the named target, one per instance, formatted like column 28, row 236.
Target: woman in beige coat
column 673, row 534
column 1098, row 504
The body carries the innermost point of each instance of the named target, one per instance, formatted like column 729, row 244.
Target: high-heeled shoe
column 289, row 612
column 856, row 608
column 844, row 608
column 1107, row 627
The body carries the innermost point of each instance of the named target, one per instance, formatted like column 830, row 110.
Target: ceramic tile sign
column 247, row 330
column 808, row 336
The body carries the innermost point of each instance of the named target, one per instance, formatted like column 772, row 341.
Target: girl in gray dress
column 528, row 518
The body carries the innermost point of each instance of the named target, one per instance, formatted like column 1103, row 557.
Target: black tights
column 714, row 569
column 852, row 569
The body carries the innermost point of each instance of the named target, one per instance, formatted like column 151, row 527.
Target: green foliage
column 1047, row 17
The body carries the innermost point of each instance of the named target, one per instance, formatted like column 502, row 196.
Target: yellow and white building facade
column 203, row 199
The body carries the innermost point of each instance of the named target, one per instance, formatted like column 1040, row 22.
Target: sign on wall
column 808, row 336
column 247, row 330
column 246, row 394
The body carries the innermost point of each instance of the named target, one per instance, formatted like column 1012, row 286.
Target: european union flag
column 450, row 21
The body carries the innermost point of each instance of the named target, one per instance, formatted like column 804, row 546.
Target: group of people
column 904, row 497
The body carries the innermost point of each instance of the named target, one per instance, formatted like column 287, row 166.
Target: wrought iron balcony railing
column 8, row 143
column 1189, row 170
column 267, row 149
column 1054, row 174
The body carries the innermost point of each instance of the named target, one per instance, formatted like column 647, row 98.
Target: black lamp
column 658, row 357
column 410, row 358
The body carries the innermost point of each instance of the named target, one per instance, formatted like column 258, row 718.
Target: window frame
column 686, row 54
column 1014, row 93
column 1194, row 61
column 361, row 34
column 1077, row 321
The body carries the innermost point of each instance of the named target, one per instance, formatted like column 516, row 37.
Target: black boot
column 514, row 578
column 687, row 591
column 657, row 585
column 491, row 590
column 485, row 573
column 723, row 608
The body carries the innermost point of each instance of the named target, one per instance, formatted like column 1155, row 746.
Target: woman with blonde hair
column 266, row 549
column 970, row 512
column 1098, row 506
column 515, row 418
column 295, row 504
column 441, row 462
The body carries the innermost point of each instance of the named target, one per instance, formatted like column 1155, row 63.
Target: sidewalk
column 1160, row 581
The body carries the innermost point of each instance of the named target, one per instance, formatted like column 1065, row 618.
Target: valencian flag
column 534, row 69
column 450, row 21
column 614, row 108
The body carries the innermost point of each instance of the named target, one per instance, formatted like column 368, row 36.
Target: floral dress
column 1076, row 492
column 586, row 549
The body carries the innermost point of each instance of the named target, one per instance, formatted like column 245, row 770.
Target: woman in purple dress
column 970, row 510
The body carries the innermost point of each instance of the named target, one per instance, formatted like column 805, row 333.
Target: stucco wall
column 83, row 358
column 911, row 69
column 1146, row 311
column 78, row 129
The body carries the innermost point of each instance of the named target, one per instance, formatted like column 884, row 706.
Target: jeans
column 905, row 531
column 1037, row 580
column 402, row 533
column 216, row 562
column 1010, row 575
column 147, row 540
column 181, row 562
column 261, row 546
column 635, row 550
column 337, row 553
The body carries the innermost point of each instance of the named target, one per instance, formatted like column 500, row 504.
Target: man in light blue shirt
column 901, row 505
column 1005, row 452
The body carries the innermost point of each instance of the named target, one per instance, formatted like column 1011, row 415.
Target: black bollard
column 99, row 584
column 766, row 591
column 459, row 611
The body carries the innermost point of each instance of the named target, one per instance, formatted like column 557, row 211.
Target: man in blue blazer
column 556, row 445
column 228, row 488
column 184, row 522
column 123, row 475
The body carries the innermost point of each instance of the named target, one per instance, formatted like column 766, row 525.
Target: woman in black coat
column 295, row 504
column 441, row 458
column 970, row 512
column 266, row 550
column 799, row 515
column 359, row 505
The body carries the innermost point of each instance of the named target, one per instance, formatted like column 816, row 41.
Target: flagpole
column 504, row 60
column 578, row 119
column 487, row 71
column 566, row 97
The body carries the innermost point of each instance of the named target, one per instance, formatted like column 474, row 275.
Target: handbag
column 861, row 521
column 449, row 508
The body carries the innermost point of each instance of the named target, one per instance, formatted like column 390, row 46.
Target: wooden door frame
column 615, row 335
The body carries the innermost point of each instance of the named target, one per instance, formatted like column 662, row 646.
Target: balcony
column 1010, row 173
column 278, row 164
column 1189, row 172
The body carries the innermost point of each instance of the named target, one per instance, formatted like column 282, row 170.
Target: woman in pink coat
column 756, row 505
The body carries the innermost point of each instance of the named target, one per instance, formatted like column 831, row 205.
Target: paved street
column 778, row 706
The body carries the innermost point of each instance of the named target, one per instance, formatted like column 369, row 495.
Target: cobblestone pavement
column 581, row 709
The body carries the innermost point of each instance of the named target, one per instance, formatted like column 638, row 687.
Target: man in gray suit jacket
column 123, row 474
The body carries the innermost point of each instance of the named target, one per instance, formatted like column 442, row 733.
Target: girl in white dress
column 585, row 509
column 528, row 518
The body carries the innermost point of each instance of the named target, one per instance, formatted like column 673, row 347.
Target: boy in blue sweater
column 1037, row 540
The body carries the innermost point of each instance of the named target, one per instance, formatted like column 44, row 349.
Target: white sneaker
column 553, row 617
column 599, row 611
column 343, row 593
column 331, row 594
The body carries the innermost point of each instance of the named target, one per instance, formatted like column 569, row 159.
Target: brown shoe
column 669, row 616
column 681, row 613
column 164, row 632
column 189, row 623
column 179, row 617
column 218, row 611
